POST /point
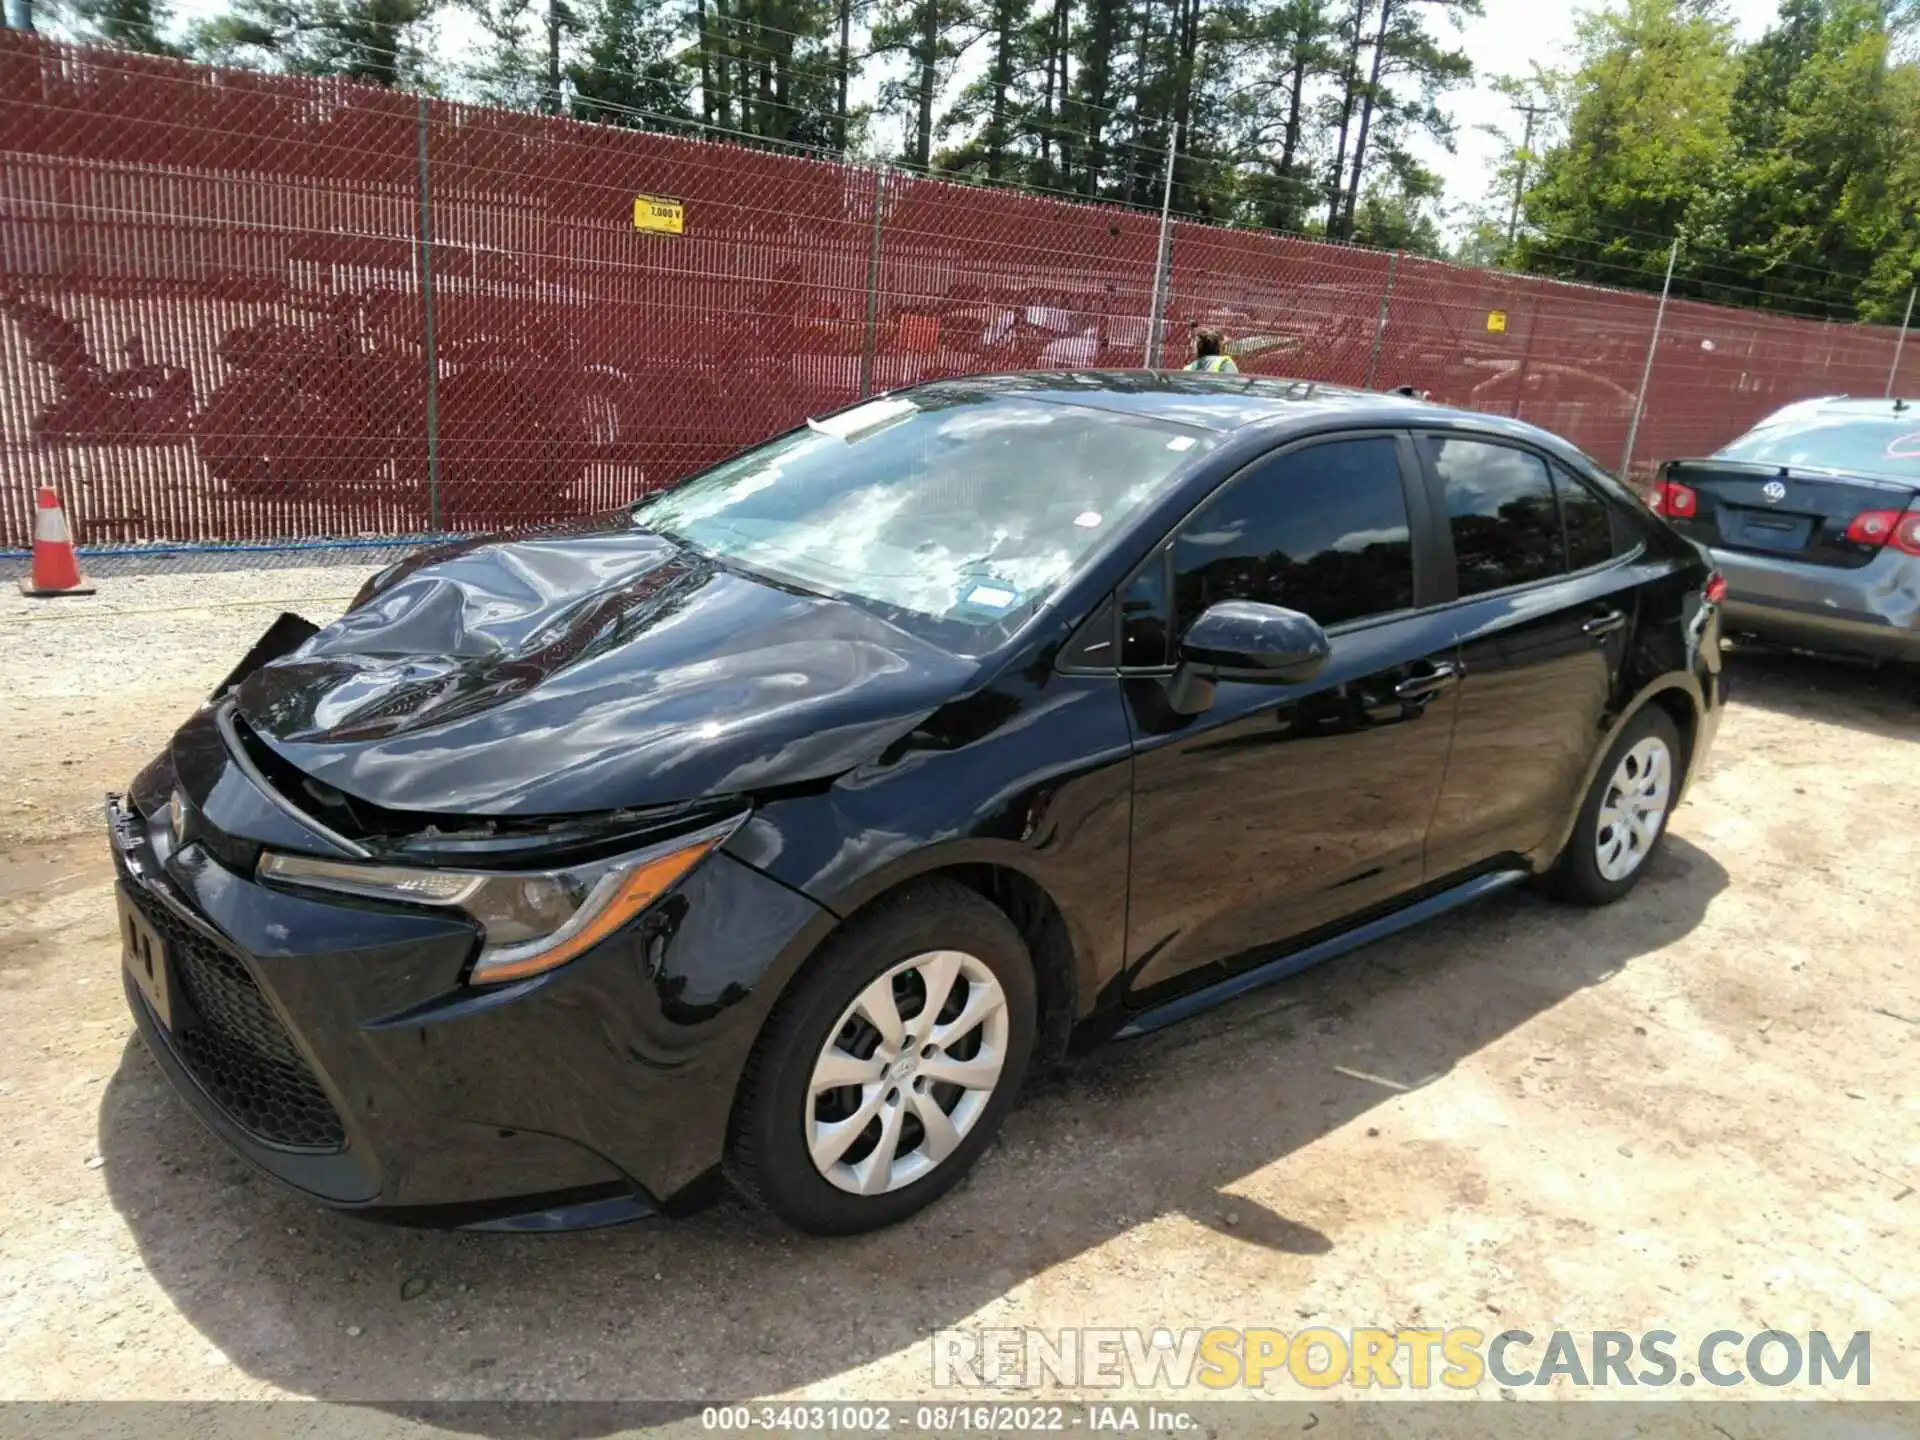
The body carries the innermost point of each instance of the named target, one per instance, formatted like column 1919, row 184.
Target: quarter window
column 1589, row 522
column 1143, row 618
column 1500, row 508
column 1322, row 530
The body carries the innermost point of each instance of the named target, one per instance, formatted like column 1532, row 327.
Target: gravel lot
column 1696, row 1110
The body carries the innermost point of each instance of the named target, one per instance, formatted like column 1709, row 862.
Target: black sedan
column 776, row 828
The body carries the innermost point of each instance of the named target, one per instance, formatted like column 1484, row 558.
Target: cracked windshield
column 963, row 506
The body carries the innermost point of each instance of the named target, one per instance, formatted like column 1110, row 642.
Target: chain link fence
column 250, row 310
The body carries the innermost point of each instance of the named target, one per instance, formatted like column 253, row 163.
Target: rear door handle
column 1419, row 687
column 1605, row 623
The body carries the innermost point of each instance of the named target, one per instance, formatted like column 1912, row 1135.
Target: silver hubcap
column 1636, row 803
column 907, row 1073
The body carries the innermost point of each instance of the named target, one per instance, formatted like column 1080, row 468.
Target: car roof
column 1842, row 407
column 1202, row 400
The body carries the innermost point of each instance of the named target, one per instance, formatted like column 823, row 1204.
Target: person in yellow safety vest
column 1210, row 354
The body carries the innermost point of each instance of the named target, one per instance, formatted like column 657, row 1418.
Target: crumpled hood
column 584, row 670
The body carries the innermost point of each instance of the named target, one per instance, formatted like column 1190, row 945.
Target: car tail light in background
column 1873, row 527
column 1906, row 535
column 1716, row 590
column 1675, row 500
column 1887, row 527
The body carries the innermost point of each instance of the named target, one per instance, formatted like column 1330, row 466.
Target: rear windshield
column 1863, row 444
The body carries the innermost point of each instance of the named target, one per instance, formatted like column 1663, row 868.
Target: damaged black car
column 774, row 829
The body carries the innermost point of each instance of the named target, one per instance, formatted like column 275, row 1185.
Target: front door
column 1284, row 808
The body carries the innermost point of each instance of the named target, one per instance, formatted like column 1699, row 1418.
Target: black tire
column 768, row 1159
column 1576, row 875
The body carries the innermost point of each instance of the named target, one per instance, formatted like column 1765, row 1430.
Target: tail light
column 1716, row 590
column 1887, row 527
column 1677, row 501
column 1873, row 527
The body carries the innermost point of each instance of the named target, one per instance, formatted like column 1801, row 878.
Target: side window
column 1591, row 529
column 1143, row 618
column 1500, row 507
column 1321, row 530
column 1091, row 647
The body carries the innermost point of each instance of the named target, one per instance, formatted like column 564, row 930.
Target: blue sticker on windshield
column 990, row 597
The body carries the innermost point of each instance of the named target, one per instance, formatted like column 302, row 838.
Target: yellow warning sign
column 664, row 217
column 1496, row 320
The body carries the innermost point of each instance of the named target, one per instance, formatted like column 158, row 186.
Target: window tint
column 1321, row 530
column 1588, row 520
column 1143, row 617
column 1091, row 647
column 1506, row 530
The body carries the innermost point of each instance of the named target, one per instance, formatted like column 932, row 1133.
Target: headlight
column 534, row 920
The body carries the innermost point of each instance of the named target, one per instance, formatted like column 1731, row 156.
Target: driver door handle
column 1605, row 623
column 1419, row 687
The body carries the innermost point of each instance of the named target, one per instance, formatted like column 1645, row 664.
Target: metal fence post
column 1162, row 254
column 1646, row 373
column 1893, row 375
column 1526, row 354
column 873, row 283
column 1380, row 323
column 432, row 346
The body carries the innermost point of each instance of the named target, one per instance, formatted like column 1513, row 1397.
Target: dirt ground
column 1695, row 1110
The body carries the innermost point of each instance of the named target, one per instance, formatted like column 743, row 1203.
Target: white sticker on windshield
column 875, row 413
column 991, row 597
column 1087, row 519
column 1180, row 442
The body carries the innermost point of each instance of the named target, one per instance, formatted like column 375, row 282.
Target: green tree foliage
column 1808, row 200
column 1406, row 72
column 1399, row 213
column 1647, row 118
column 130, row 24
column 378, row 41
column 628, row 73
column 1787, row 166
column 1294, row 114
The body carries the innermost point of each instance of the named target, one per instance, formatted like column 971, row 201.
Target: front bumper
column 1873, row 611
column 332, row 1042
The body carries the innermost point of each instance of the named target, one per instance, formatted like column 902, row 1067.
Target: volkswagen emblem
column 1774, row 491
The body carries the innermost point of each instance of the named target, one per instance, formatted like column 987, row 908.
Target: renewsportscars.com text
column 1460, row 1358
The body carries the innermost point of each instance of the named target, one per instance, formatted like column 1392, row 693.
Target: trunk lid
column 1781, row 510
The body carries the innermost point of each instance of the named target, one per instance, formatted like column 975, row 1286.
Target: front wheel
column 886, row 1071
column 1624, row 817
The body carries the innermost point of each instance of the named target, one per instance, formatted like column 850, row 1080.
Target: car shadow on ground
column 725, row 1305
column 1882, row 700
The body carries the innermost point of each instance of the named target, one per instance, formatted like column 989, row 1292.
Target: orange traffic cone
column 56, row 566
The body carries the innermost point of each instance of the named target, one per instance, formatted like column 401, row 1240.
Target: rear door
column 1283, row 809
column 1777, row 511
column 1543, row 613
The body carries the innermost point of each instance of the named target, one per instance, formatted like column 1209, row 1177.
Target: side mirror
column 1244, row 640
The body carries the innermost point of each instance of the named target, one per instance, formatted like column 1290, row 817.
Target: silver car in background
column 1813, row 517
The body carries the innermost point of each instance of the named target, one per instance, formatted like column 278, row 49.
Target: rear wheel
column 1624, row 817
column 883, row 1075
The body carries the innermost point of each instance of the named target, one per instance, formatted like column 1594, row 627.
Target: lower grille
column 236, row 1047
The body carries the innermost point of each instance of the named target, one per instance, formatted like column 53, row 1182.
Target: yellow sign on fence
column 1497, row 320
column 665, row 217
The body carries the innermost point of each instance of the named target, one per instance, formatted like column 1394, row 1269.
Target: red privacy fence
column 246, row 307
